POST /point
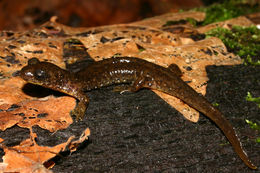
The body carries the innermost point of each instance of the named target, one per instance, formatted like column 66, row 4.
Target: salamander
column 138, row 74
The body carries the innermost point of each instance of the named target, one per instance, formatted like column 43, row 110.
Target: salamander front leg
column 81, row 108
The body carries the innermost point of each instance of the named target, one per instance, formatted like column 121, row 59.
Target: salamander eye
column 40, row 74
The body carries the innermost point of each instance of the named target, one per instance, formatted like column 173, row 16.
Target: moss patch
column 243, row 41
column 226, row 10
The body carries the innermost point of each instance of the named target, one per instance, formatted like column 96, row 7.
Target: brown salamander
column 136, row 72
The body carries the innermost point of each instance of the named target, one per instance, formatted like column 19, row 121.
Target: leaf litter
column 147, row 39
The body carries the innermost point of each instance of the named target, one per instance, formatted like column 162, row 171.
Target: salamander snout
column 40, row 73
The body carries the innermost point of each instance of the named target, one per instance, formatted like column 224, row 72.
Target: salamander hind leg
column 175, row 69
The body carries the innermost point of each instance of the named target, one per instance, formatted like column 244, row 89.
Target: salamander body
column 134, row 71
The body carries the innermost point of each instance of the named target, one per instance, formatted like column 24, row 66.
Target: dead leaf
column 30, row 157
column 159, row 21
column 241, row 21
column 84, row 136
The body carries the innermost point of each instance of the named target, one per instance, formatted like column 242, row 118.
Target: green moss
column 258, row 140
column 253, row 99
column 219, row 12
column 226, row 10
column 243, row 41
column 215, row 104
column 254, row 126
column 250, row 61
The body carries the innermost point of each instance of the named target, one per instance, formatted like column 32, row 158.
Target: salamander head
column 42, row 73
